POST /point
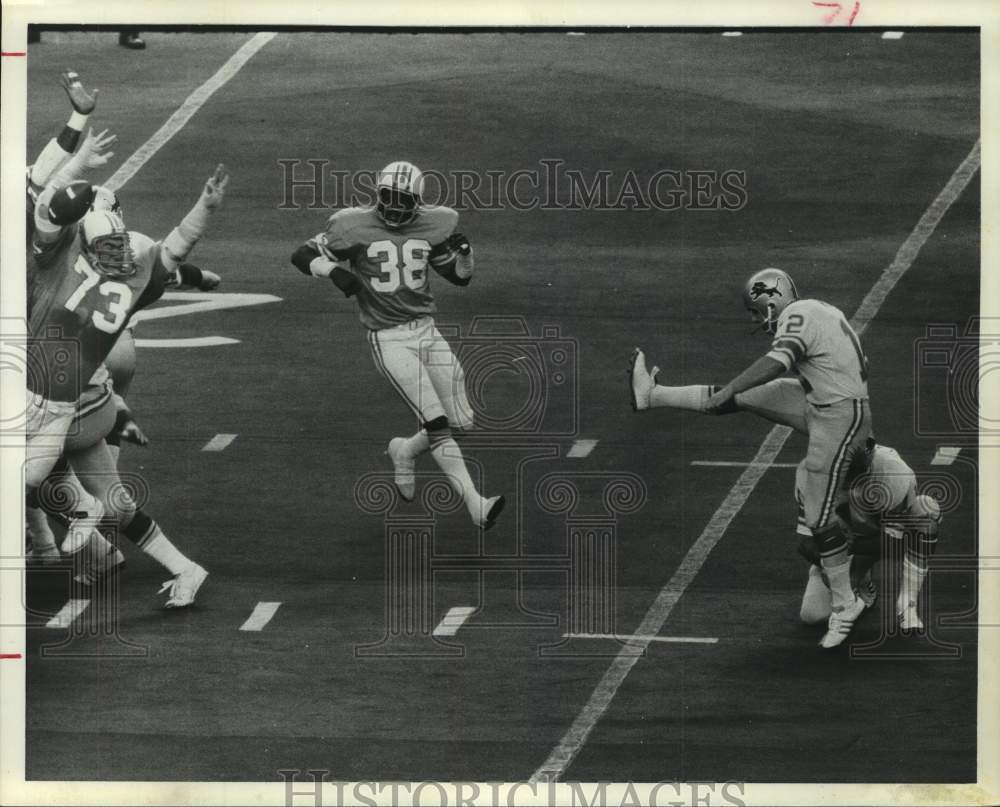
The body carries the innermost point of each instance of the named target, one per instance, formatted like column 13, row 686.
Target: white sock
column 159, row 548
column 693, row 398
column 417, row 444
column 815, row 607
column 911, row 580
column 42, row 539
column 449, row 458
column 840, row 584
column 81, row 531
column 98, row 551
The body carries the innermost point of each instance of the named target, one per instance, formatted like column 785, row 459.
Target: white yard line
column 571, row 743
column 945, row 455
column 732, row 33
column 581, row 448
column 68, row 614
column 892, row 35
column 669, row 639
column 729, row 464
column 187, row 341
column 219, row 442
column 453, row 620
column 261, row 615
column 186, row 111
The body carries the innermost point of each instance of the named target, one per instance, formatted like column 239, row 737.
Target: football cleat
column 640, row 381
column 840, row 624
column 403, row 468
column 181, row 590
column 908, row 618
column 492, row 508
column 866, row 589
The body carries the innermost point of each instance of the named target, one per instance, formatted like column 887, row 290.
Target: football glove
column 459, row 243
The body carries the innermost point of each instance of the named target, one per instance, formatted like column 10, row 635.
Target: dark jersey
column 76, row 315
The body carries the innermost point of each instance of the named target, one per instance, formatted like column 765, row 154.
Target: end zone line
column 652, row 623
column 186, row 111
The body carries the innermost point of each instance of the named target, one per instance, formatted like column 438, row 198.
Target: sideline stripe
column 673, row 639
column 68, row 614
column 945, row 455
column 186, row 111
column 262, row 614
column 453, row 620
column 728, row 464
column 652, row 623
column 581, row 448
column 219, row 442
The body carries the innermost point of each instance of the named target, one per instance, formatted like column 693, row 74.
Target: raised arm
column 59, row 149
column 178, row 245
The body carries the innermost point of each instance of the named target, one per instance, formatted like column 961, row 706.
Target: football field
column 312, row 644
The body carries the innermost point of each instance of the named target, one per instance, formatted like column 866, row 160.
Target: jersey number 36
column 411, row 271
column 118, row 295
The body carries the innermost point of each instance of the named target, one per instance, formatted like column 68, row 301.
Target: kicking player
column 883, row 499
column 828, row 403
column 380, row 255
column 93, row 275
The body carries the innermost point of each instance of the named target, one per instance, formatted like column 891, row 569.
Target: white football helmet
column 105, row 244
column 766, row 294
column 399, row 187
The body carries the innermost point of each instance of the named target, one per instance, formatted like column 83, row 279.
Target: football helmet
column 766, row 294
column 107, row 199
column 399, row 187
column 105, row 244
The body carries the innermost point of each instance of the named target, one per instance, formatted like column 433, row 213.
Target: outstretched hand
column 82, row 101
column 215, row 188
column 95, row 148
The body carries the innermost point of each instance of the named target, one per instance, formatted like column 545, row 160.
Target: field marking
column 186, row 110
column 68, row 614
column 198, row 302
column 187, row 341
column 453, row 620
column 945, row 455
column 671, row 639
column 892, row 35
column 732, row 33
column 652, row 623
column 581, row 448
column 729, row 464
column 261, row 615
column 219, row 442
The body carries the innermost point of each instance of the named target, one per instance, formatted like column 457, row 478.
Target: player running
column 883, row 500
column 828, row 403
column 92, row 276
column 380, row 255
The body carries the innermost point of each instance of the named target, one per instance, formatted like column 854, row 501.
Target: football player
column 828, row 403
column 381, row 256
column 94, row 274
column 883, row 500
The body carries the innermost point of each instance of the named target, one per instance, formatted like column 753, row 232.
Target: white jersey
column 815, row 340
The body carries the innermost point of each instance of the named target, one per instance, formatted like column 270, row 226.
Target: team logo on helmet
column 759, row 289
column 399, row 187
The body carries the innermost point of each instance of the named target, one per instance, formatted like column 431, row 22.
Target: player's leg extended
column 780, row 401
column 836, row 433
column 920, row 536
column 97, row 472
column 121, row 362
column 397, row 355
column 448, row 379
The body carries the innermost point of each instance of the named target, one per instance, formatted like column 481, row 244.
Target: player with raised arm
column 828, row 402
column 381, row 256
column 93, row 275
